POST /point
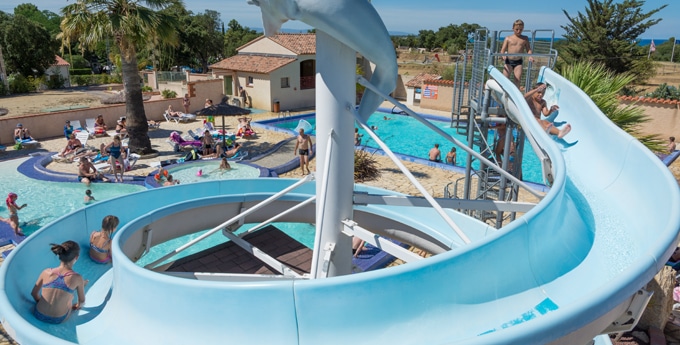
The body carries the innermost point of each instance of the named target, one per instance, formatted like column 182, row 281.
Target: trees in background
column 28, row 48
column 665, row 50
column 49, row 20
column 236, row 36
column 201, row 37
column 451, row 38
column 607, row 33
column 130, row 26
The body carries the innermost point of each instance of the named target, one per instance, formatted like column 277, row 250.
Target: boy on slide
column 538, row 106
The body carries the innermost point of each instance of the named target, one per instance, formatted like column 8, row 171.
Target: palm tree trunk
column 137, row 125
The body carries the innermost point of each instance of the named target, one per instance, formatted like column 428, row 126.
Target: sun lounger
column 77, row 126
column 28, row 142
column 83, row 136
column 178, row 143
column 92, row 128
column 182, row 117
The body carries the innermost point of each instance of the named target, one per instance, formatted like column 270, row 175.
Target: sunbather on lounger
column 22, row 134
column 220, row 151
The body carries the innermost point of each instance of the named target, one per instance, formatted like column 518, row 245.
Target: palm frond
column 603, row 87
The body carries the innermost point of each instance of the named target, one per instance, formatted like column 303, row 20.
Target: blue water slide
column 561, row 273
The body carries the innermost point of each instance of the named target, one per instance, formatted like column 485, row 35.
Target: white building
column 278, row 72
column 60, row 67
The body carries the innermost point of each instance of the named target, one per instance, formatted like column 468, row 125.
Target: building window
column 285, row 83
column 249, row 82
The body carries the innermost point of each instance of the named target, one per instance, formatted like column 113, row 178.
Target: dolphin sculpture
column 355, row 23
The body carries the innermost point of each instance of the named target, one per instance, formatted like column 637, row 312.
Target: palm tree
column 603, row 87
column 132, row 26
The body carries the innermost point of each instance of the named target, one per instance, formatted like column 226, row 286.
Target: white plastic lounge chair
column 28, row 142
column 77, row 126
column 179, row 118
column 209, row 126
column 92, row 128
column 83, row 136
column 170, row 118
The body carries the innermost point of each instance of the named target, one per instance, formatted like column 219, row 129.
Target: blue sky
column 411, row 16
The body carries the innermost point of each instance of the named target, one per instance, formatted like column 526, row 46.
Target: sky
column 410, row 16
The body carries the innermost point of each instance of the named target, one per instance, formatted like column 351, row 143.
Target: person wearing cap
column 68, row 129
column 21, row 133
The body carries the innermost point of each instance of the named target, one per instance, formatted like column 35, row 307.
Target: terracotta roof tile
column 60, row 62
column 438, row 82
column 418, row 79
column 253, row 63
column 642, row 99
column 300, row 44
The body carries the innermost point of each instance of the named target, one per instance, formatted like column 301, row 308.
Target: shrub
column 80, row 80
column 37, row 83
column 80, row 71
column 19, row 84
column 168, row 93
column 55, row 81
column 147, row 88
column 665, row 91
column 365, row 166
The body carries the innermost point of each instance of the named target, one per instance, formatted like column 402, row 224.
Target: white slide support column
column 335, row 98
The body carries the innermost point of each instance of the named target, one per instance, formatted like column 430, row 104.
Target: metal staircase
column 474, row 115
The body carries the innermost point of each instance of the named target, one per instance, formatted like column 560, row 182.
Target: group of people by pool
column 55, row 288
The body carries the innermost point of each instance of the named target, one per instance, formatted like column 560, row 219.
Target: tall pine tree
column 606, row 33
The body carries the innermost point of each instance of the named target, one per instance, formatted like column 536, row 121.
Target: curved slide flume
column 561, row 273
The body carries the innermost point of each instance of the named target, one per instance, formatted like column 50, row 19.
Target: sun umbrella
column 223, row 109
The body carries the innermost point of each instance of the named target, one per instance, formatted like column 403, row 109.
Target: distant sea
column 642, row 42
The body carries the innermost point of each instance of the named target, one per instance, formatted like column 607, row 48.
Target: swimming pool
column 48, row 201
column 65, row 197
column 187, row 173
column 406, row 135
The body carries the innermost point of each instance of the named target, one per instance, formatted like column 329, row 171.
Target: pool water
column 48, row 201
column 187, row 173
column 406, row 135
column 301, row 232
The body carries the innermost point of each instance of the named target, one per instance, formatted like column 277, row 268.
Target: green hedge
column 80, row 71
column 95, row 79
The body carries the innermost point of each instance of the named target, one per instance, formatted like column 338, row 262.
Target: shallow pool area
column 406, row 135
column 48, row 201
column 210, row 170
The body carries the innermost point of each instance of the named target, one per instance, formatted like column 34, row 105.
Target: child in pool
column 88, row 196
column 224, row 165
column 13, row 208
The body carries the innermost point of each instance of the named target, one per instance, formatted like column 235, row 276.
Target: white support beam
column 353, row 229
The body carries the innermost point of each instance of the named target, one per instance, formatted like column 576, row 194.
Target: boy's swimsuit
column 58, row 283
column 514, row 63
